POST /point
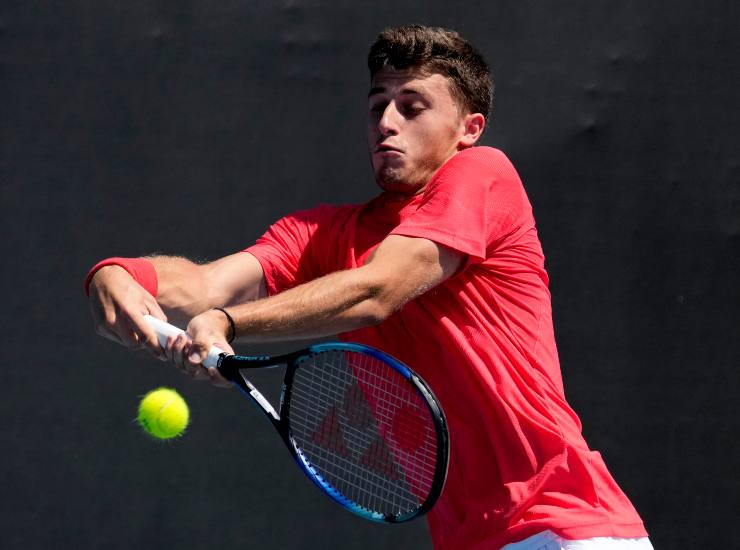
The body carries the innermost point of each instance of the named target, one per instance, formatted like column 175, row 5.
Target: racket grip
column 165, row 330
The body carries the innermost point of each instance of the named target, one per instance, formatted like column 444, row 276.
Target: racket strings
column 364, row 436
column 365, row 431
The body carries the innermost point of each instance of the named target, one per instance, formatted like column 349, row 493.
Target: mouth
column 385, row 148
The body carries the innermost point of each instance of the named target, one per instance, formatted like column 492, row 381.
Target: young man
column 444, row 270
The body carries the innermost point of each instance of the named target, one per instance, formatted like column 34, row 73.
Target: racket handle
column 165, row 330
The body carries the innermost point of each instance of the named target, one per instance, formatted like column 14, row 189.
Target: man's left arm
column 400, row 269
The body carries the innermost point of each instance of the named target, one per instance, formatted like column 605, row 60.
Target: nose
column 389, row 121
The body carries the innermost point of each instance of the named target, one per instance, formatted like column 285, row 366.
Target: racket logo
column 329, row 434
column 405, row 432
column 356, row 409
column 379, row 459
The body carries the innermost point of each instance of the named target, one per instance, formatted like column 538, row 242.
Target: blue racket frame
column 230, row 365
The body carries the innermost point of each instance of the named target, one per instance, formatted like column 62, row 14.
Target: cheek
column 434, row 139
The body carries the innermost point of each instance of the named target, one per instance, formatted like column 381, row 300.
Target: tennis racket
column 360, row 424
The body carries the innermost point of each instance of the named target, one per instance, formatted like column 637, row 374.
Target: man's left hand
column 188, row 353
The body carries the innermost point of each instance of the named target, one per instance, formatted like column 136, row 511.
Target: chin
column 389, row 177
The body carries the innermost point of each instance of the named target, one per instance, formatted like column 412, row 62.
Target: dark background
column 187, row 127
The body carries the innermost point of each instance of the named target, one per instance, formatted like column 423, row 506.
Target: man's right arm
column 185, row 289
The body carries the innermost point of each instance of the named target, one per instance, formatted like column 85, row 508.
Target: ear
column 473, row 125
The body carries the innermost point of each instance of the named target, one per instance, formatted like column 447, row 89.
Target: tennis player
column 444, row 270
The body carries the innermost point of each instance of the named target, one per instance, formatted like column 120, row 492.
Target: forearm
column 187, row 289
column 399, row 270
column 179, row 287
column 183, row 288
column 335, row 303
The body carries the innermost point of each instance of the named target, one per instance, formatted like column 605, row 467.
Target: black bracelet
column 231, row 336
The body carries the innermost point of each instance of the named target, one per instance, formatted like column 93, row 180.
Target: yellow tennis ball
column 163, row 413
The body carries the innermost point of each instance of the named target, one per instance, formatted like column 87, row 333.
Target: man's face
column 414, row 126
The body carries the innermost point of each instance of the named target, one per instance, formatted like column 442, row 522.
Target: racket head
column 366, row 430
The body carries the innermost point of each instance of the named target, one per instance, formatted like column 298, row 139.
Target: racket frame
column 230, row 367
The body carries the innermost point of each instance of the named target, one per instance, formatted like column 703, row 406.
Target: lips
column 385, row 148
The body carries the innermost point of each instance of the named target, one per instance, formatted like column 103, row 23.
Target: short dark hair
column 434, row 50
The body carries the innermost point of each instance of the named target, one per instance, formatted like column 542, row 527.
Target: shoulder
column 477, row 167
column 482, row 161
column 482, row 153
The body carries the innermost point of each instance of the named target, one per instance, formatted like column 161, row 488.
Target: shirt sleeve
column 284, row 251
column 473, row 201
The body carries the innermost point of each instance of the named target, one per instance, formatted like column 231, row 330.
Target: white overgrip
column 164, row 330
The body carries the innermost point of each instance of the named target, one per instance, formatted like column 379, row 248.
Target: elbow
column 380, row 300
column 374, row 314
column 375, row 310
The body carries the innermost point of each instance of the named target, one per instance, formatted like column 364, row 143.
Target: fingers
column 180, row 349
column 130, row 329
column 114, row 328
column 208, row 330
column 205, row 330
column 118, row 304
column 177, row 350
column 213, row 373
column 143, row 335
column 153, row 308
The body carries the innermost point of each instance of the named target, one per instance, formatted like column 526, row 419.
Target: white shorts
column 547, row 540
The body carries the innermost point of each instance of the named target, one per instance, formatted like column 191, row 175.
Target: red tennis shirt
column 483, row 340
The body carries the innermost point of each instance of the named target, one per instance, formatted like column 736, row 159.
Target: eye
column 378, row 107
column 412, row 110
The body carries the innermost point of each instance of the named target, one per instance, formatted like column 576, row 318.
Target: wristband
column 141, row 269
column 232, row 335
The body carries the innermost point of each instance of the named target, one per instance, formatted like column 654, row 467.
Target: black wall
column 187, row 127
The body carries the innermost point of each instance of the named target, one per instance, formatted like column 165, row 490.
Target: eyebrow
column 405, row 91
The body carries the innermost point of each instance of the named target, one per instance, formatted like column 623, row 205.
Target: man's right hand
column 118, row 305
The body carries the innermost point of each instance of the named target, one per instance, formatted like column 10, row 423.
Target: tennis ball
column 163, row 413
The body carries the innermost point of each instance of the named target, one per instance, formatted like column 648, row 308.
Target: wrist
column 141, row 269
column 230, row 327
column 101, row 273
